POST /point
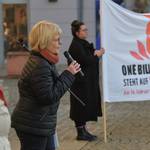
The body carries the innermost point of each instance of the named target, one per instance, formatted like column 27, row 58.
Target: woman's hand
column 74, row 67
column 99, row 53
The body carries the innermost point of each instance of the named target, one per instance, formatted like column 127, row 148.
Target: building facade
column 18, row 16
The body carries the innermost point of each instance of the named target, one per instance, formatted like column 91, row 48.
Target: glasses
column 57, row 40
column 84, row 30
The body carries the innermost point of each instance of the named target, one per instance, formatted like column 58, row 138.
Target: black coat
column 87, row 87
column 40, row 90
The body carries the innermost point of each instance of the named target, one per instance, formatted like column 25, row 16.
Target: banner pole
column 104, row 121
column 103, row 101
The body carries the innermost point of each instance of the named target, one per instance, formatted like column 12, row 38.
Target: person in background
column 85, row 87
column 128, row 4
column 140, row 6
column 118, row 1
column 40, row 88
column 4, row 122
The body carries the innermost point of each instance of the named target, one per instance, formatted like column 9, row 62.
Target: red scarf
column 51, row 57
column 2, row 97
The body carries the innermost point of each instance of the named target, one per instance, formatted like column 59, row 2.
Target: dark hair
column 75, row 26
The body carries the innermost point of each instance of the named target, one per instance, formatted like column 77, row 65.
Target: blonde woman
column 40, row 89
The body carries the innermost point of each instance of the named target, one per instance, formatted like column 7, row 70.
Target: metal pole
column 80, row 10
column 103, row 101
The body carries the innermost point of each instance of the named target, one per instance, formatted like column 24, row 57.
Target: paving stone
column 128, row 124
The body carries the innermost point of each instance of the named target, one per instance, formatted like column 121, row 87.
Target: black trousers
column 34, row 142
column 79, row 123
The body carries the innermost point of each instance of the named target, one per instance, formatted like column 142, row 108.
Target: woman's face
column 83, row 32
column 55, row 44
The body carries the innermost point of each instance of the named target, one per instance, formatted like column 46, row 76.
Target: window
column 14, row 26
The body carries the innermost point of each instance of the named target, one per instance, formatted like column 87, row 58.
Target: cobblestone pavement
column 128, row 124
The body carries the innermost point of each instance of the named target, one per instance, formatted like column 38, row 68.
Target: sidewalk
column 128, row 124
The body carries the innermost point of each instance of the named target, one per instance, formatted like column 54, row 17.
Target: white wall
column 89, row 18
column 61, row 12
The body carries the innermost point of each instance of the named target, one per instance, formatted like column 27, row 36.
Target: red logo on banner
column 143, row 52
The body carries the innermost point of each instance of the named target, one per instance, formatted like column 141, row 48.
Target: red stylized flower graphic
column 143, row 53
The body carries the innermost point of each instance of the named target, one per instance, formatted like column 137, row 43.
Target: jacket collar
column 85, row 43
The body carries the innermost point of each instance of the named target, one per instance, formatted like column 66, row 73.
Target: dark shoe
column 89, row 134
column 82, row 135
column 85, row 138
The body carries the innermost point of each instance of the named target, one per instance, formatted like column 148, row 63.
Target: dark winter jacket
column 40, row 89
column 87, row 87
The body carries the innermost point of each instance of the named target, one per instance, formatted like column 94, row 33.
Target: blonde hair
column 42, row 34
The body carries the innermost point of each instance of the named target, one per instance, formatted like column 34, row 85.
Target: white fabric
column 4, row 143
column 122, row 32
column 4, row 127
column 56, row 140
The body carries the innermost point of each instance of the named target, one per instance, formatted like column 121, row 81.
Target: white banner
column 126, row 63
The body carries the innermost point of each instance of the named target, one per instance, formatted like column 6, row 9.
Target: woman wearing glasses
column 85, row 87
column 40, row 89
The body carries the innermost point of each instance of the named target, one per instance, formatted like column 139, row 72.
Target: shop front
column 14, row 35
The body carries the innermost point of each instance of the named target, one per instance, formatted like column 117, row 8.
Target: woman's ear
column 77, row 34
